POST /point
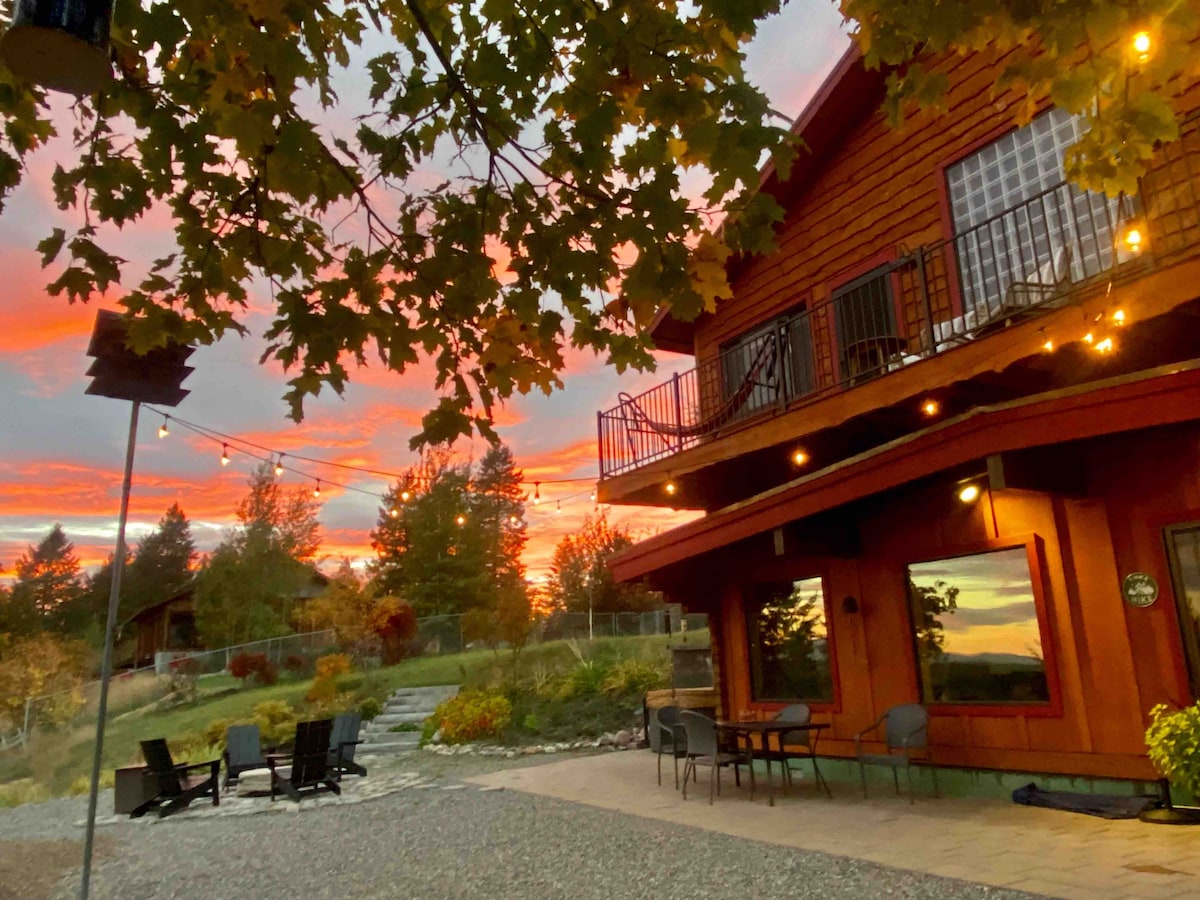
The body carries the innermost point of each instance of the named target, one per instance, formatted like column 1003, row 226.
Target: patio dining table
column 765, row 729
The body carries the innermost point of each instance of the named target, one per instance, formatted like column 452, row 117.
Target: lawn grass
column 59, row 762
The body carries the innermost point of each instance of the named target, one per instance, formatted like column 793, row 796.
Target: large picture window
column 789, row 642
column 976, row 628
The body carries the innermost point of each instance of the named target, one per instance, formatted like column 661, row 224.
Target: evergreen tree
column 49, row 586
column 579, row 575
column 248, row 586
column 432, row 552
column 498, row 506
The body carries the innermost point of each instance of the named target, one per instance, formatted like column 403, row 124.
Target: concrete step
column 393, row 707
column 406, row 738
column 384, row 721
column 441, row 691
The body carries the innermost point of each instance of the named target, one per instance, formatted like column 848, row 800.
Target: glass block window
column 1020, row 230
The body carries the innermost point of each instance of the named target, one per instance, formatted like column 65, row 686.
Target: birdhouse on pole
column 118, row 372
column 60, row 44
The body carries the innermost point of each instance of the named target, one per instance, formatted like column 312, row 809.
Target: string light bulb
column 405, row 495
column 1105, row 346
column 163, row 430
column 224, row 454
column 317, row 489
column 1133, row 239
column 670, row 487
column 1118, row 317
column 393, row 512
column 931, row 407
column 593, row 496
column 279, row 466
column 558, row 507
column 969, row 494
column 461, row 519
column 512, row 520
column 537, row 493
column 1089, row 338
column 1047, row 343
column 799, row 457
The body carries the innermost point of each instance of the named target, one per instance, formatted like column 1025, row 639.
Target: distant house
column 170, row 624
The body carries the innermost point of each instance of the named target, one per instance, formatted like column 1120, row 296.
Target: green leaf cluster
column 1173, row 743
column 560, row 132
column 1078, row 54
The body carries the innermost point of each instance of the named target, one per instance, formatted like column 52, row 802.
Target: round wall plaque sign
column 1139, row 589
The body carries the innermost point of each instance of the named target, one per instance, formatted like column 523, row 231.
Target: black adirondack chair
column 342, row 742
column 306, row 771
column 176, row 786
column 243, row 751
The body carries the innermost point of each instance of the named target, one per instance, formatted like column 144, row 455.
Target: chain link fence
column 134, row 689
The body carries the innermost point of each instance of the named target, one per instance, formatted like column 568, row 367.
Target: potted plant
column 1173, row 739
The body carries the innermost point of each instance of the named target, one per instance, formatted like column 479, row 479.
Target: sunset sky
column 61, row 452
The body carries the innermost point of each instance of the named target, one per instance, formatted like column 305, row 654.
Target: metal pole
column 114, row 595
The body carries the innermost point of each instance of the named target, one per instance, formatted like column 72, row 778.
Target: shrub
column 333, row 664
column 295, row 664
column 214, row 731
column 253, row 665
column 37, row 666
column 369, row 708
column 1173, row 740
column 276, row 722
column 429, row 729
column 633, row 676
column 586, row 678
column 472, row 716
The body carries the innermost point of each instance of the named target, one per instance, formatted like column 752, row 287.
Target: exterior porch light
column 931, row 407
column 969, row 493
column 1133, row 239
column 799, row 458
column 1142, row 45
column 670, row 487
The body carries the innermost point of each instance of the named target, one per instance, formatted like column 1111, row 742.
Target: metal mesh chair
column 905, row 729
column 703, row 750
column 667, row 736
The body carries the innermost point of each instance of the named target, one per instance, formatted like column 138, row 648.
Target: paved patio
column 987, row 841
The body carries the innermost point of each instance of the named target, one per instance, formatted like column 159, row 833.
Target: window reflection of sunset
column 996, row 608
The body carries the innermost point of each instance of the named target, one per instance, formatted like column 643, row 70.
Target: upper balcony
column 1051, row 251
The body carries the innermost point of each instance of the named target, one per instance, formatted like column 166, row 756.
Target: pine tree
column 498, row 504
column 49, row 585
column 162, row 565
column 248, row 586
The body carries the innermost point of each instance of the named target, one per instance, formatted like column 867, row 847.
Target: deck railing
column 1038, row 255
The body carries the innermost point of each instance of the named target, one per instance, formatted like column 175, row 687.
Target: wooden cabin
column 946, row 437
column 169, row 625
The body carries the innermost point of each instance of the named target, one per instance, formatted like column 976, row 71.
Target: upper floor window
column 865, row 317
column 770, row 363
column 789, row 642
column 977, row 629
column 1022, row 234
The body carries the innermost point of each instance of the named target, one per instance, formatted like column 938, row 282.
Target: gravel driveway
column 444, row 841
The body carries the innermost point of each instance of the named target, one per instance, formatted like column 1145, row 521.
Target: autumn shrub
column 295, row 664
column 276, row 721
column 333, row 664
column 325, row 684
column 246, row 666
column 473, row 716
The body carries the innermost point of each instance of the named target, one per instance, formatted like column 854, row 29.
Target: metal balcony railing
column 1037, row 255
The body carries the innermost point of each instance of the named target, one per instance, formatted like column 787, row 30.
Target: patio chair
column 702, row 750
column 667, row 736
column 243, row 752
column 306, row 771
column 343, row 739
column 176, row 787
column 905, row 729
column 801, row 742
